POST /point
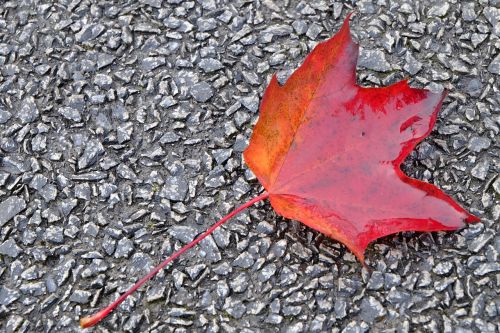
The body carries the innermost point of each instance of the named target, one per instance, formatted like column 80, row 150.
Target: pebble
column 494, row 66
column 374, row 60
column 89, row 32
column 29, row 111
column 175, row 188
column 80, row 297
column 124, row 248
column 372, row 309
column 201, row 92
column 477, row 144
column 480, row 170
column 183, row 233
column 93, row 151
column 10, row 207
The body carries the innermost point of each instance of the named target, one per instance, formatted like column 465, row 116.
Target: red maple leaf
column 328, row 152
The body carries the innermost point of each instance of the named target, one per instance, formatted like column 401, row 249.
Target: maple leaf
column 329, row 152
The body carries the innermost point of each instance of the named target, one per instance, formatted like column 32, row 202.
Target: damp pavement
column 122, row 128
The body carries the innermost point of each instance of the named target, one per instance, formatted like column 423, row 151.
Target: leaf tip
column 472, row 218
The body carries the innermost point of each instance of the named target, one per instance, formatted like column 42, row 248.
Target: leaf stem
column 92, row 320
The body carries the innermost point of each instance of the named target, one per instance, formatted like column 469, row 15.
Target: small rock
column 150, row 63
column 478, row 143
column 494, row 66
column 70, row 114
column 54, row 234
column 251, row 103
column 10, row 207
column 206, row 24
column 80, row 296
column 29, row 111
column 93, row 151
column 209, row 65
column 175, row 188
column 412, row 66
column 314, row 30
column 103, row 81
column 468, row 12
column 4, row 116
column 124, row 248
column 201, row 92
column 439, row 10
column 10, row 248
column 244, row 260
column 152, row 3
column 486, row 268
column 443, row 268
column 374, row 60
column 89, row 32
column 183, row 233
column 372, row 309
column 8, row 296
column 480, row 170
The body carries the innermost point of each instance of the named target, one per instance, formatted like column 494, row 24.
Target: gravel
column 121, row 131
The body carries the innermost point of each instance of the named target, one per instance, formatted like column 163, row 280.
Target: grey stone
column 468, row 12
column 494, row 66
column 412, row 66
column 480, row 170
column 104, row 60
column 124, row 248
column 150, row 63
column 206, row 24
column 222, row 155
column 372, row 309
column 240, row 283
column 48, row 192
column 103, row 81
column 9, row 248
column 183, row 233
column 374, row 60
column 8, row 296
column 300, row 27
column 376, row 281
column 140, row 263
column 93, row 151
column 209, row 65
column 486, row 268
column 70, row 114
column 152, row 3
column 202, row 92
column 175, row 188
column 478, row 143
column 267, row 272
column 4, row 115
column 29, row 111
column 313, row 31
column 10, row 207
column 89, row 32
column 54, row 234
column 80, row 296
column 439, row 9
column 251, row 103
column 244, row 260
column 235, row 309
column 443, row 268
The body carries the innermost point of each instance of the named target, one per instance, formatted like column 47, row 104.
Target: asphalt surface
column 121, row 132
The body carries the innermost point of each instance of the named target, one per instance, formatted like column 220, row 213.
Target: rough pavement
column 121, row 132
